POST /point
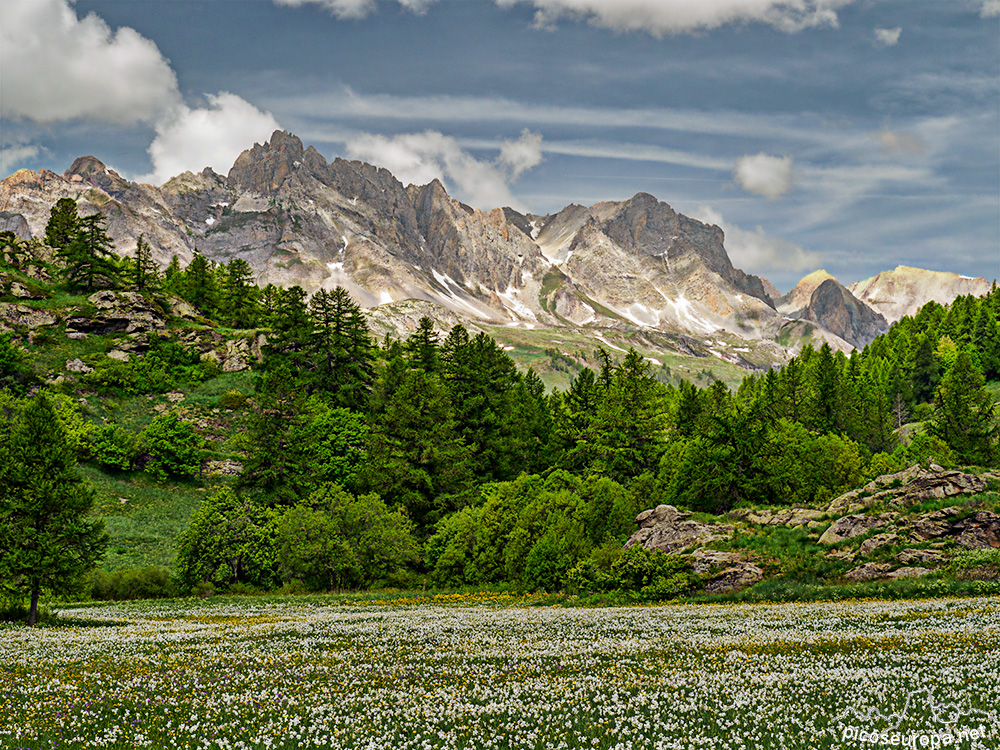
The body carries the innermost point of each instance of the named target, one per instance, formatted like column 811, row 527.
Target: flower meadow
column 496, row 674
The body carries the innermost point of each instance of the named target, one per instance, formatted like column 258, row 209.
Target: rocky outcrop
column 118, row 312
column 20, row 317
column 736, row 578
column 868, row 572
column 778, row 517
column 906, row 488
column 671, row 531
column 851, row 526
column 980, row 530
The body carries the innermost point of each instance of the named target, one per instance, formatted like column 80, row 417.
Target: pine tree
column 239, row 301
column 143, row 273
column 88, row 257
column 341, row 350
column 63, row 224
column 422, row 346
column 199, row 285
column 47, row 541
column 964, row 413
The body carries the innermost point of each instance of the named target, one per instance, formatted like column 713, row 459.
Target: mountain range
column 633, row 268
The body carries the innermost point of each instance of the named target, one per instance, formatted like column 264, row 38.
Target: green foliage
column 638, row 573
column 89, row 262
column 151, row 582
column 47, row 541
column 230, row 540
column 112, row 447
column 16, row 372
column 336, row 540
column 976, row 565
column 167, row 365
column 173, row 448
column 965, row 416
column 63, row 223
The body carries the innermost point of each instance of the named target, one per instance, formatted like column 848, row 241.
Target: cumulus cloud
column 660, row 17
column 418, row 158
column 990, row 8
column 12, row 157
column 213, row 136
column 55, row 66
column 755, row 250
column 900, row 142
column 523, row 154
column 888, row 37
column 355, row 9
column 763, row 174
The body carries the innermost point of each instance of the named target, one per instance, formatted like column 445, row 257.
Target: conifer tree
column 199, row 285
column 63, row 223
column 143, row 273
column 964, row 413
column 47, row 540
column 239, row 294
column 88, row 257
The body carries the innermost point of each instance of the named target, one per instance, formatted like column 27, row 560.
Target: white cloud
column 762, row 174
column 55, row 66
column 418, row 158
column 213, row 136
column 660, row 17
column 990, row 8
column 12, row 157
column 356, row 9
column 888, row 37
column 523, row 154
column 757, row 251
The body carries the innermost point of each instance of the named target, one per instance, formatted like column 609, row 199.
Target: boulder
column 981, row 531
column 78, row 365
column 241, row 353
column 922, row 556
column 852, row 526
column 705, row 560
column 868, row 571
column 736, row 578
column 932, row 525
column 224, row 468
column 669, row 530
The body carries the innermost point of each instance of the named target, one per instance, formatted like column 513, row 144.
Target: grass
column 144, row 529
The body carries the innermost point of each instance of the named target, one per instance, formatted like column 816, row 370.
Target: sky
column 850, row 135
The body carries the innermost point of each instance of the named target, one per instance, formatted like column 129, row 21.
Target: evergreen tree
column 417, row 460
column 173, row 277
column 88, row 257
column 63, row 224
column 965, row 414
column 143, row 273
column 422, row 346
column 341, row 349
column 199, row 285
column 47, row 540
column 239, row 294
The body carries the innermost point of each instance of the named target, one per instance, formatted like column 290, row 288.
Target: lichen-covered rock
column 705, row 560
column 852, row 526
column 735, row 578
column 669, row 530
column 879, row 540
column 868, row 572
column 981, row 531
column 224, row 468
column 118, row 312
column 77, row 365
column 22, row 316
column 907, row 488
column 922, row 556
column 780, row 517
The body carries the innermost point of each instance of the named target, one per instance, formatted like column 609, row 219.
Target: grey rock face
column 906, row 488
column 16, row 223
column 852, row 526
column 735, row 578
column 669, row 530
column 868, row 572
column 24, row 317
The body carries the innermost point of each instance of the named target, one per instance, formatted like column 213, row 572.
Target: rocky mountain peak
column 840, row 312
column 264, row 168
column 85, row 167
column 904, row 290
column 797, row 300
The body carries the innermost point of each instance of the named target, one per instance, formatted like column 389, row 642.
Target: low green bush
column 151, row 582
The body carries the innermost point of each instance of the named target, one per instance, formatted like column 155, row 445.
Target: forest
column 432, row 460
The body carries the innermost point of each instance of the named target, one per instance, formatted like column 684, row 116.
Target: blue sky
column 853, row 135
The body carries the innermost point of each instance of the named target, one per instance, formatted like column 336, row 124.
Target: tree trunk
column 33, row 612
